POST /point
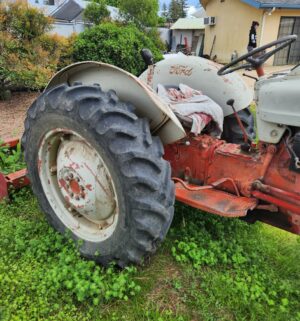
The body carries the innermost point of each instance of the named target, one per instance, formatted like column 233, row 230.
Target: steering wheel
column 257, row 57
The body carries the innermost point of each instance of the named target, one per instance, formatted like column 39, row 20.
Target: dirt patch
column 13, row 113
column 165, row 295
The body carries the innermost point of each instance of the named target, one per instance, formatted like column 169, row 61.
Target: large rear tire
column 232, row 132
column 98, row 173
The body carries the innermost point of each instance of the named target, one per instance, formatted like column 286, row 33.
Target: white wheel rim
column 78, row 185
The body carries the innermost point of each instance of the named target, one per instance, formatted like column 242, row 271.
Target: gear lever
column 246, row 145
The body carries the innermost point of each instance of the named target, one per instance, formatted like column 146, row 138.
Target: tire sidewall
column 60, row 120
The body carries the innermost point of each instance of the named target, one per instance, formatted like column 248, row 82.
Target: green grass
column 209, row 268
column 11, row 160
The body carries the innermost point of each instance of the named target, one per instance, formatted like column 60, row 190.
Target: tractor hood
column 200, row 74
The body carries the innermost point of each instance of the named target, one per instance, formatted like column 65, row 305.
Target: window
column 290, row 55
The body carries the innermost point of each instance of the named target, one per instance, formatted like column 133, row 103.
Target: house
column 188, row 33
column 68, row 14
column 229, row 22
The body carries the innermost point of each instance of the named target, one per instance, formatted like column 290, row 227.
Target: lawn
column 209, row 268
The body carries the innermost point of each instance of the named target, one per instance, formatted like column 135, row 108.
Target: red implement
column 14, row 180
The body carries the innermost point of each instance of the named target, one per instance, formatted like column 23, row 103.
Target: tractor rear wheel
column 98, row 173
column 232, row 132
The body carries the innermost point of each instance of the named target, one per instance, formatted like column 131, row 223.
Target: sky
column 193, row 5
column 190, row 2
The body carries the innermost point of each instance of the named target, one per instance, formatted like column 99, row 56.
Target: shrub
column 22, row 21
column 28, row 55
column 154, row 35
column 96, row 11
column 116, row 44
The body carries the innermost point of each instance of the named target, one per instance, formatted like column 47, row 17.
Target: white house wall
column 67, row 29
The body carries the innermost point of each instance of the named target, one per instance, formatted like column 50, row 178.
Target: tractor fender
column 163, row 122
column 200, row 74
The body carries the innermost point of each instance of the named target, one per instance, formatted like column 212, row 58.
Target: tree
column 142, row 13
column 183, row 8
column 174, row 10
column 177, row 9
column 96, row 12
column 165, row 12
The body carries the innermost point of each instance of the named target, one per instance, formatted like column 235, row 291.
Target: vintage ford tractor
column 106, row 156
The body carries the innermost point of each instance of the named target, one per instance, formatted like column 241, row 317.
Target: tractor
column 107, row 157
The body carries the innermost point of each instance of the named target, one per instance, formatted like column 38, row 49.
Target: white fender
column 129, row 88
column 200, row 74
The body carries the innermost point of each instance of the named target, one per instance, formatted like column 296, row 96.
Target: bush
column 154, row 35
column 28, row 55
column 115, row 44
column 96, row 11
column 22, row 21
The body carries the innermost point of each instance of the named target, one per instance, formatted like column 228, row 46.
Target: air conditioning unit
column 210, row 21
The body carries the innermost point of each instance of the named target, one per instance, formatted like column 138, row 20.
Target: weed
column 11, row 160
column 241, row 270
column 42, row 275
column 209, row 268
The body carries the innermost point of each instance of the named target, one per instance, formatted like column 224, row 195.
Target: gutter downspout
column 266, row 13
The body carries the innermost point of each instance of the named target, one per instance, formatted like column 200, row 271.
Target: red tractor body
column 233, row 182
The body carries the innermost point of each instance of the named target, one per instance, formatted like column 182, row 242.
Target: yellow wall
column 232, row 27
column 271, row 25
column 234, row 19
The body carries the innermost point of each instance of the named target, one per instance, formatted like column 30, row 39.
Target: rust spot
column 89, row 187
column 63, row 184
column 39, row 165
column 75, row 188
column 67, row 199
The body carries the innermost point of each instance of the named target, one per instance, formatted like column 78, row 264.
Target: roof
column 71, row 9
column 262, row 4
column 188, row 24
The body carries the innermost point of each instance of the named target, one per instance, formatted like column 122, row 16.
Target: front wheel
column 98, row 173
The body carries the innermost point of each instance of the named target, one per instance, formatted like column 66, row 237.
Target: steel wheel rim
column 78, row 185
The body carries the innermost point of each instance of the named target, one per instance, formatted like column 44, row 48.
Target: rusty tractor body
column 99, row 169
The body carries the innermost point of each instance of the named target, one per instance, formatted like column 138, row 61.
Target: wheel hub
column 84, row 181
